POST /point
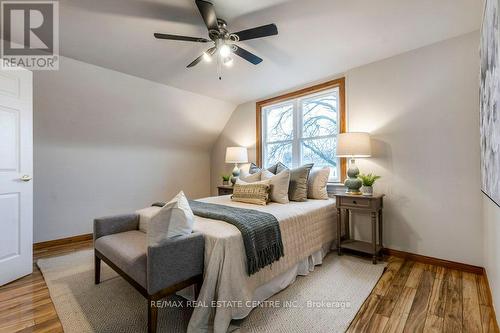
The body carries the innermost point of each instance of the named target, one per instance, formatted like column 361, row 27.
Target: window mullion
column 299, row 130
column 264, row 137
column 296, row 134
column 281, row 141
column 319, row 137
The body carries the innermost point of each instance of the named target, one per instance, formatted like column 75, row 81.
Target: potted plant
column 225, row 179
column 368, row 181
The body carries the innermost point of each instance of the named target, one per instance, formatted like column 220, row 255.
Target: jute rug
column 326, row 300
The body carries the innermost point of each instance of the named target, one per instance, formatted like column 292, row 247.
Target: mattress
column 228, row 292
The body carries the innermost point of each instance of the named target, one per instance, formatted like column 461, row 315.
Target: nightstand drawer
column 225, row 190
column 355, row 202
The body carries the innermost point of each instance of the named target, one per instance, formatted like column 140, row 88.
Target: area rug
column 326, row 300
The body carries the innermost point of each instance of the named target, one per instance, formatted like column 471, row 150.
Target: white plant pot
column 367, row 190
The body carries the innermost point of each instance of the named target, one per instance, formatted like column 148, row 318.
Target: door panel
column 9, row 139
column 16, row 160
column 9, row 84
column 9, row 228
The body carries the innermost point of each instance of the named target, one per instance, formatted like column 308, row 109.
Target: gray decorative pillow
column 275, row 169
column 254, row 168
column 297, row 191
column 280, row 167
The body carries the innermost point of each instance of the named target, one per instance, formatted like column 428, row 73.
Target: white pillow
column 255, row 177
column 245, row 170
column 174, row 219
column 317, row 182
column 242, row 182
column 279, row 185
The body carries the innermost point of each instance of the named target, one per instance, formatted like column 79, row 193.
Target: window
column 302, row 127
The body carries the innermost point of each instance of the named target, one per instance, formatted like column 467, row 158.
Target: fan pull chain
column 219, row 67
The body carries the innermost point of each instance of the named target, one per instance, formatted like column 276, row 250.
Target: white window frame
column 297, row 116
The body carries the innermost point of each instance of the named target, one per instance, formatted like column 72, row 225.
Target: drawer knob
column 354, row 202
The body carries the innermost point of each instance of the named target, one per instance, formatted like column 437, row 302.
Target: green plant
column 226, row 177
column 368, row 179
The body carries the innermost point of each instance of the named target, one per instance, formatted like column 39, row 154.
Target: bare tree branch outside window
column 319, row 126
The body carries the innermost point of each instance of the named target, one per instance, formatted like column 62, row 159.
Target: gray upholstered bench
column 155, row 271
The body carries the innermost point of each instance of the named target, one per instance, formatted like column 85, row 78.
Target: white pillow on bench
column 172, row 220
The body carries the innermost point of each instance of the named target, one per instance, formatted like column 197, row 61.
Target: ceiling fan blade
column 207, row 11
column 258, row 32
column 182, row 38
column 248, row 56
column 196, row 61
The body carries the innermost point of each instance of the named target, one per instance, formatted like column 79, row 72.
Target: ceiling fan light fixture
column 224, row 51
column 227, row 61
column 207, row 57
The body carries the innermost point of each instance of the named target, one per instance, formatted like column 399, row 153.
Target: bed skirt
column 278, row 283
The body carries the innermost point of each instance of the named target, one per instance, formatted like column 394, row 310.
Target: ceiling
column 317, row 38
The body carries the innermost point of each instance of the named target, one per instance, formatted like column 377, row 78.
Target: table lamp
column 236, row 155
column 353, row 145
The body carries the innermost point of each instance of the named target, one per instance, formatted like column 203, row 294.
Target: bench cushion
column 127, row 250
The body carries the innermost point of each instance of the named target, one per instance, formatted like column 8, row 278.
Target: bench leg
column 197, row 287
column 97, row 269
column 196, row 290
column 152, row 316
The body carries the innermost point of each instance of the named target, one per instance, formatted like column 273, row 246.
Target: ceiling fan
column 224, row 41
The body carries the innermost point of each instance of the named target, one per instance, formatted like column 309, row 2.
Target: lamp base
column 236, row 174
column 353, row 183
column 348, row 191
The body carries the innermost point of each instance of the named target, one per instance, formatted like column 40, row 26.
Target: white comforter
column 228, row 292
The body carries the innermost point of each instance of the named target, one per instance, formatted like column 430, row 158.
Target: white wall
column 422, row 109
column 239, row 131
column 107, row 142
column 491, row 218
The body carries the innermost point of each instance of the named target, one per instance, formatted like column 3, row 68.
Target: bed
column 228, row 292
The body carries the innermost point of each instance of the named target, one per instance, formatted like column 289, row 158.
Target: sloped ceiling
column 86, row 105
column 317, row 38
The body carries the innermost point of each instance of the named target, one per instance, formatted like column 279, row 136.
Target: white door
column 16, row 170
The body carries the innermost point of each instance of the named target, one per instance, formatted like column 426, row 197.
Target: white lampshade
column 236, row 155
column 354, row 144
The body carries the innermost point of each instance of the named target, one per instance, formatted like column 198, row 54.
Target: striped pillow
column 253, row 193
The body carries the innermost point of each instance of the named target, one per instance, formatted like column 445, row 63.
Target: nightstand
column 225, row 189
column 368, row 204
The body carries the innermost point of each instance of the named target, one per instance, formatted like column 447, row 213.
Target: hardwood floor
column 409, row 297
column 415, row 297
column 25, row 304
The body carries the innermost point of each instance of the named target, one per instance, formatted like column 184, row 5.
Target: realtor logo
column 30, row 35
